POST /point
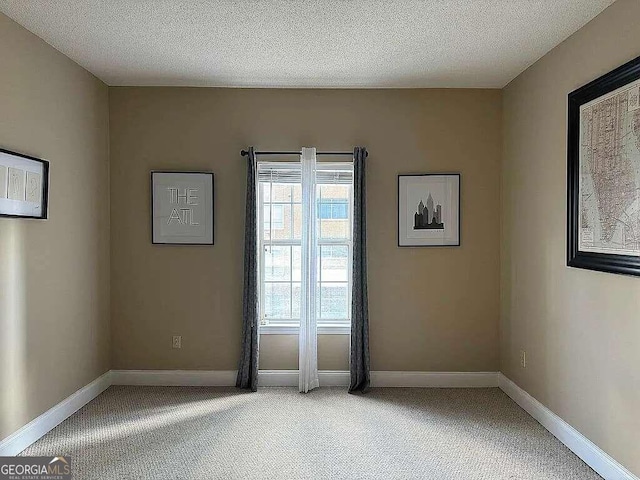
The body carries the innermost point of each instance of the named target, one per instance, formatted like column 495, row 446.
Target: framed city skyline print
column 182, row 208
column 429, row 210
column 603, row 173
column 24, row 186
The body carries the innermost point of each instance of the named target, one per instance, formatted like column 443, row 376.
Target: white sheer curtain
column 308, row 338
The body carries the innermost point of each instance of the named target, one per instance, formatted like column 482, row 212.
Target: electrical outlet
column 523, row 359
column 177, row 341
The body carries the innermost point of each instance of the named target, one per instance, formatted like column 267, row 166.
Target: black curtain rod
column 244, row 153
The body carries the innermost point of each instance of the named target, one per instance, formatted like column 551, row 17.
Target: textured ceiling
column 304, row 43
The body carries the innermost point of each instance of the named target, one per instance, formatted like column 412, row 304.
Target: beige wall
column 54, row 274
column 430, row 308
column 580, row 329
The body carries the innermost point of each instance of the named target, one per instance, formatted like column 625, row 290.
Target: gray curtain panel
column 248, row 368
column 359, row 362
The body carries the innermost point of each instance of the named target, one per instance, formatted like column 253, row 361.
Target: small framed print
column 182, row 208
column 24, row 186
column 429, row 210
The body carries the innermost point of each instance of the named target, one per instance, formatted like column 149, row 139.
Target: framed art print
column 429, row 210
column 24, row 186
column 603, row 173
column 182, row 208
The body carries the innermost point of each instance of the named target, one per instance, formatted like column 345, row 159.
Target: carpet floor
column 277, row 433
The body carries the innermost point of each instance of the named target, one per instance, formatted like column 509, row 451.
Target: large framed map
column 603, row 182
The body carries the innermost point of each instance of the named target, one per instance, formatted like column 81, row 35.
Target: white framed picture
column 182, row 208
column 24, row 186
column 429, row 210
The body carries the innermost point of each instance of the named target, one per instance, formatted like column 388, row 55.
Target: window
column 279, row 243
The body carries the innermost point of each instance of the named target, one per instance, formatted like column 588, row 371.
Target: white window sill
column 294, row 330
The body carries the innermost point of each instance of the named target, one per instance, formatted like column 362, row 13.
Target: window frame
column 286, row 326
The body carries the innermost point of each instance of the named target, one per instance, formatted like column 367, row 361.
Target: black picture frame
column 45, row 186
column 604, row 262
column 152, row 195
column 431, row 174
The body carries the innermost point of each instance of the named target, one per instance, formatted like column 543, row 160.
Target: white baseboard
column 584, row 448
column 174, row 378
column 341, row 378
column 434, row 379
column 289, row 378
column 32, row 431
column 220, row 378
column 591, row 454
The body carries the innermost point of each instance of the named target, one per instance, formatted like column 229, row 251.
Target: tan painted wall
column 580, row 328
column 54, row 274
column 430, row 308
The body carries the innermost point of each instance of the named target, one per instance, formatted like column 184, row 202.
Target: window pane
column 281, row 192
column 266, row 192
column 333, row 211
column 337, row 193
column 295, row 300
column 333, row 301
column 334, row 229
column 296, row 272
column 277, row 217
column 267, row 216
column 297, row 221
column 340, row 210
column 324, row 210
column 297, row 192
column 273, row 218
column 334, row 261
column 281, row 217
column 277, row 263
column 277, row 300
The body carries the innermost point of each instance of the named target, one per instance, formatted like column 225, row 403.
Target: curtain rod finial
column 244, row 153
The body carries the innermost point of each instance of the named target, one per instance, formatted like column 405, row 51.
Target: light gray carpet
column 278, row 433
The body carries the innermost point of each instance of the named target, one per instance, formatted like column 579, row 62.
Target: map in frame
column 609, row 177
